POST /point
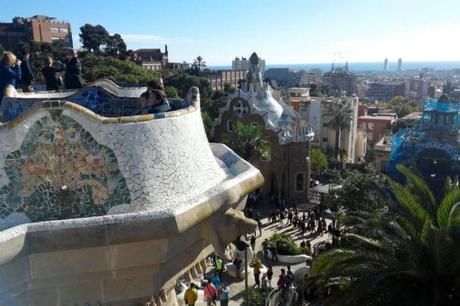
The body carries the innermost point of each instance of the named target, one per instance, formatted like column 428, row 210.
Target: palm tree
column 340, row 114
column 248, row 141
column 409, row 257
column 198, row 65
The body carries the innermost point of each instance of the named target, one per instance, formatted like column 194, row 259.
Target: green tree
column 115, row 46
column 361, row 191
column 93, row 37
column 229, row 89
column 198, row 65
column 248, row 141
column 411, row 259
column 171, row 92
column 318, row 160
column 125, row 72
column 340, row 115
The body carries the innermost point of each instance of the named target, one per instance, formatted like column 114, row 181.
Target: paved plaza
column 269, row 228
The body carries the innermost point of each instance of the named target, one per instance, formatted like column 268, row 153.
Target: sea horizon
column 361, row 66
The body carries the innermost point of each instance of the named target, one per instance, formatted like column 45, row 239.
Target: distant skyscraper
column 385, row 65
column 399, row 64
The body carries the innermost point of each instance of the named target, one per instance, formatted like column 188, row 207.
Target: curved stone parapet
column 97, row 209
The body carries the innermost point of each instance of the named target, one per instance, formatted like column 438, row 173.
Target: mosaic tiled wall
column 98, row 99
column 60, row 172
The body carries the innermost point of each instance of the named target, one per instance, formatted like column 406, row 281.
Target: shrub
column 256, row 298
column 286, row 245
column 123, row 71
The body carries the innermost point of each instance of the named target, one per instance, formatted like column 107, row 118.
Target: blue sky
column 281, row 31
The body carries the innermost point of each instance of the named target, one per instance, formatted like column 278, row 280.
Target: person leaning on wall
column 10, row 74
column 50, row 72
column 73, row 70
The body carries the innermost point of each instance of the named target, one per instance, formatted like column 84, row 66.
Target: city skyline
column 290, row 32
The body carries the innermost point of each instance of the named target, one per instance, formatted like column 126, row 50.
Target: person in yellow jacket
column 256, row 265
column 191, row 295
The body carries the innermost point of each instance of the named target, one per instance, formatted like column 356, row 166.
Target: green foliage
column 340, row 115
column 361, row 191
column 125, row 72
column 248, row 141
column 411, row 258
column 182, row 82
column 115, row 46
column 97, row 40
column 318, row 160
column 198, row 65
column 93, row 37
column 400, row 106
column 286, row 245
column 171, row 92
column 210, row 102
column 256, row 298
column 229, row 89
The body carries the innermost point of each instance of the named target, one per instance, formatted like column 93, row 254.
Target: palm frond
column 444, row 209
column 410, row 202
column 419, row 188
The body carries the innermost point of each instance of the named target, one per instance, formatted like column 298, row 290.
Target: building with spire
column 286, row 167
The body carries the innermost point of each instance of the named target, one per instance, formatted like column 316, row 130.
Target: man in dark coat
column 73, row 71
column 27, row 73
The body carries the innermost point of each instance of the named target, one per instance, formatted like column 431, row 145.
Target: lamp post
column 243, row 245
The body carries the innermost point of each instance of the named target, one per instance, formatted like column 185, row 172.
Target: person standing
column 27, row 73
column 253, row 243
column 215, row 280
column 274, row 251
column 282, row 278
column 191, row 295
column 256, row 266
column 270, row 275
column 265, row 285
column 52, row 80
column 265, row 248
column 219, row 267
column 237, row 262
column 224, row 295
column 73, row 71
column 10, row 72
column 210, row 293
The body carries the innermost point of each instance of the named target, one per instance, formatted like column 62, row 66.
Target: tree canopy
column 93, row 37
column 318, row 160
column 400, row 106
column 248, row 141
column 411, row 258
column 198, row 65
column 96, row 39
column 361, row 191
column 125, row 72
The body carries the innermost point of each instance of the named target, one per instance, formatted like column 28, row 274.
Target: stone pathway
column 237, row 286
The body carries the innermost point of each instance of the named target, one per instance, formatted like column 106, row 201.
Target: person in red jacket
column 210, row 293
column 282, row 278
